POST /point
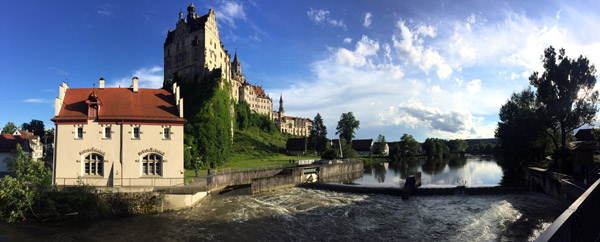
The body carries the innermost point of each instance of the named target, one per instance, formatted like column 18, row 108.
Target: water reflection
column 472, row 170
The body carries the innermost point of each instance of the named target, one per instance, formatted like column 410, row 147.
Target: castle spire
column 235, row 59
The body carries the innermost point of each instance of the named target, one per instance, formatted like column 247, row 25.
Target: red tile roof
column 117, row 104
column 8, row 142
column 362, row 144
column 259, row 91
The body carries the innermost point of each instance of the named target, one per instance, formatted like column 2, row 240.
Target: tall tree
column 35, row 126
column 408, row 146
column 379, row 146
column 565, row 95
column 9, row 128
column 318, row 135
column 520, row 133
column 347, row 126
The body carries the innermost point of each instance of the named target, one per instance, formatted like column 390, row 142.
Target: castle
column 194, row 49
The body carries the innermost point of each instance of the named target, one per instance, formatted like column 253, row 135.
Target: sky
column 425, row 68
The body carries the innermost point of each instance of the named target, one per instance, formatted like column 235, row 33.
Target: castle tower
column 281, row 113
column 236, row 66
column 194, row 48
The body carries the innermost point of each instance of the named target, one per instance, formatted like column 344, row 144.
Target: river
column 472, row 171
column 301, row 214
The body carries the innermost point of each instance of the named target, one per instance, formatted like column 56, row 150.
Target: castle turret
column 191, row 12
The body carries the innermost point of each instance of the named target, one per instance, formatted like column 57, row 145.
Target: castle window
column 93, row 165
column 151, row 165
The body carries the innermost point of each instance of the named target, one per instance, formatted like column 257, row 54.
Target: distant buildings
column 291, row 125
column 118, row 136
column 194, row 49
column 30, row 143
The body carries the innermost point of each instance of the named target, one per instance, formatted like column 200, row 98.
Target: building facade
column 291, row 125
column 118, row 136
column 194, row 49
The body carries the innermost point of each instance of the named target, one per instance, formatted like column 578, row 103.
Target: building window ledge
column 92, row 176
column 106, row 138
column 151, row 176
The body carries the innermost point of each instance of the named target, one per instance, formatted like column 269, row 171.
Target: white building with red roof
column 118, row 136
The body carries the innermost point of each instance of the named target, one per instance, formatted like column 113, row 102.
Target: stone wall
column 239, row 178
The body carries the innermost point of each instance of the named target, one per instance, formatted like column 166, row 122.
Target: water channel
column 300, row 214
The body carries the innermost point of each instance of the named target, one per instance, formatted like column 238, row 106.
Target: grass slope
column 254, row 147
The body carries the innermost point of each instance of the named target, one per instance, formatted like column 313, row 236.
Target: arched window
column 93, row 165
column 152, row 165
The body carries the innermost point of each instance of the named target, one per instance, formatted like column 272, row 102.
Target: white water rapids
column 299, row 214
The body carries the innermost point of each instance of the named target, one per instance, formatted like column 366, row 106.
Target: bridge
column 581, row 221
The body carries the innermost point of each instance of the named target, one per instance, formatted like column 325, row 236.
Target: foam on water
column 309, row 215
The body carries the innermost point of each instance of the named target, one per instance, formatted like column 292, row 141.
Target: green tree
column 408, row 146
column 347, row 126
column 208, row 111
column 19, row 194
column 35, row 126
column 9, row 128
column 520, row 133
column 318, row 135
column 436, row 148
column 379, row 146
column 565, row 96
column 457, row 145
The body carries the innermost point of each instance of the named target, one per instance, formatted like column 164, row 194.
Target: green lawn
column 252, row 148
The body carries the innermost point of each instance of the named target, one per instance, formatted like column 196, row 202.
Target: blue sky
column 426, row 68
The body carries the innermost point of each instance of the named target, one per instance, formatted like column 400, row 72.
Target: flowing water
column 300, row 214
column 472, row 171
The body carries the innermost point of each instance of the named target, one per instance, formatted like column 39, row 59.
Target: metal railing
column 254, row 168
column 579, row 222
column 126, row 182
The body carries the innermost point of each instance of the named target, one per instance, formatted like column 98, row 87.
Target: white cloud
column 105, row 9
column 415, row 114
column 410, row 48
column 359, row 57
column 321, row 17
column 148, row 77
column 514, row 76
column 436, row 89
column 58, row 70
column 474, row 86
column 38, row 100
column 347, row 40
column 367, row 21
column 229, row 12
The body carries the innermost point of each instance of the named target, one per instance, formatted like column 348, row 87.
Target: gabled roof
column 116, row 104
column 362, row 144
column 259, row 91
column 585, row 135
column 8, row 142
column 296, row 144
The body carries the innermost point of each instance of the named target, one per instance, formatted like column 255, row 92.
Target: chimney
column 135, row 84
column 101, row 86
column 177, row 95
column 180, row 106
